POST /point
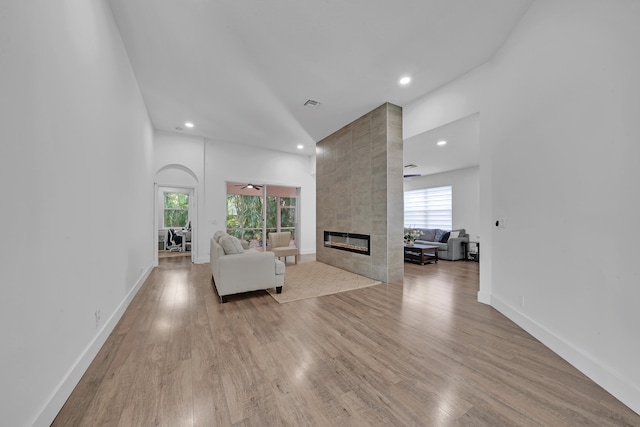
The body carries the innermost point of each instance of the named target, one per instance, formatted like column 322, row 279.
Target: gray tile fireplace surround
column 359, row 190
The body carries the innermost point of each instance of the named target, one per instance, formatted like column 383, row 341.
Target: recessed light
column 405, row 80
column 300, row 146
column 443, row 142
column 188, row 124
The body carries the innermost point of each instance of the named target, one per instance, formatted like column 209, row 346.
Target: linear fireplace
column 352, row 242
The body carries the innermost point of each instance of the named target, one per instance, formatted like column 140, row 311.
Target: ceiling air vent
column 312, row 104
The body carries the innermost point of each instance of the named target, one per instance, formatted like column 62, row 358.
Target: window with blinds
column 428, row 208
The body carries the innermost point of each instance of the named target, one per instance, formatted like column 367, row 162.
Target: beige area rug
column 310, row 279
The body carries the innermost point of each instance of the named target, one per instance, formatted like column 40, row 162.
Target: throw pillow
column 428, row 234
column 218, row 234
column 454, row 234
column 445, row 237
column 231, row 245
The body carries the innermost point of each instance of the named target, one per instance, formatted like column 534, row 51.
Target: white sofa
column 239, row 270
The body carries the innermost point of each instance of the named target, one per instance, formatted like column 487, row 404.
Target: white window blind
column 428, row 208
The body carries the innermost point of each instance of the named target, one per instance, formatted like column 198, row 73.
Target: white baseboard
column 597, row 371
column 77, row 370
column 484, row 298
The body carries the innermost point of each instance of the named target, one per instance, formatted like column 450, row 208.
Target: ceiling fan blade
column 249, row 185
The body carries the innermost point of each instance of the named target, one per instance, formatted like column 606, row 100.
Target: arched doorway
column 175, row 190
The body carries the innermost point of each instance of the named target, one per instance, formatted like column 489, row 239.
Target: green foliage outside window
column 288, row 201
column 176, row 210
column 271, row 212
column 288, row 212
column 244, row 215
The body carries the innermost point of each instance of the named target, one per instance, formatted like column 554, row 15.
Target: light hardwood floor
column 422, row 352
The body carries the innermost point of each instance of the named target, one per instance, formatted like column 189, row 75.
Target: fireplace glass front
column 351, row 242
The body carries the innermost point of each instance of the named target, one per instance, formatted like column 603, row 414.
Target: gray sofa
column 449, row 248
column 236, row 269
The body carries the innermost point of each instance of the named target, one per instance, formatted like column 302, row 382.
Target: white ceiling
column 461, row 150
column 242, row 70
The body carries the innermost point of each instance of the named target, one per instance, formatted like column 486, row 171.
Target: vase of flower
column 410, row 237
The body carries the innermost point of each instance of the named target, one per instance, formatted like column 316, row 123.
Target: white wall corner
column 484, row 297
column 78, row 369
column 599, row 372
column 202, row 260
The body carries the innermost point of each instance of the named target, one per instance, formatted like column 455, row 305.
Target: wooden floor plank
column 421, row 351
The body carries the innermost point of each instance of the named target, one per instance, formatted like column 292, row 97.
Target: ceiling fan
column 409, row 176
column 257, row 187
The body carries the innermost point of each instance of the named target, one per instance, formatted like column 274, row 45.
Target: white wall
column 466, row 196
column 563, row 127
column 77, row 209
column 215, row 163
column 558, row 161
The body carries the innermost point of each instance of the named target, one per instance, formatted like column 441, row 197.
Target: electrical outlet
column 97, row 315
column 522, row 301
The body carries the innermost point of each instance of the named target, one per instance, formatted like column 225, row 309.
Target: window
column 428, row 208
column 244, row 211
column 176, row 210
column 281, row 214
column 288, row 214
column 244, row 216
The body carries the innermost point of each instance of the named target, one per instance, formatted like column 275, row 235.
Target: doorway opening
column 174, row 222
